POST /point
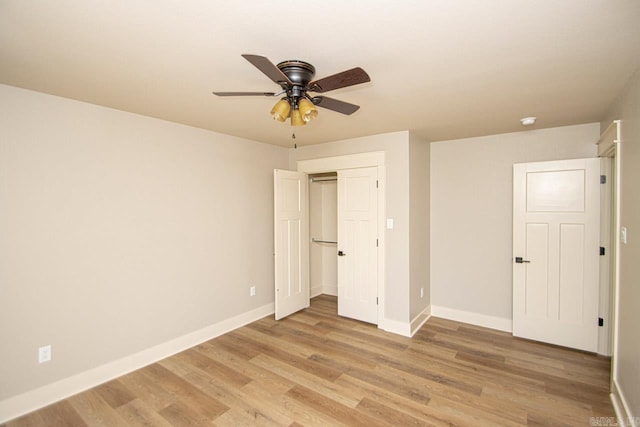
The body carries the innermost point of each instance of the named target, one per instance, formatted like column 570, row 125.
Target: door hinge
column 600, row 321
column 603, row 179
column 376, row 300
column 376, row 243
column 602, row 251
column 376, row 183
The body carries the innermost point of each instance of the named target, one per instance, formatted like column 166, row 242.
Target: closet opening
column 323, row 233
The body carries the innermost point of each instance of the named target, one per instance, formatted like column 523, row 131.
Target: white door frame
column 609, row 145
column 352, row 161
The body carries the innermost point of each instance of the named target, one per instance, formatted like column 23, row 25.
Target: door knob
column 519, row 260
column 340, row 253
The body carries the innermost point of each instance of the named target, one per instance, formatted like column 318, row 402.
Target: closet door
column 291, row 240
column 357, row 244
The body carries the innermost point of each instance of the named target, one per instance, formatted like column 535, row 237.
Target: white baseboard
column 330, row 289
column 21, row 404
column 420, row 320
column 623, row 412
column 406, row 329
column 314, row 292
column 499, row 323
column 396, row 327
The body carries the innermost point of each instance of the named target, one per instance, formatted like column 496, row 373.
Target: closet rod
column 313, row 239
column 322, row 180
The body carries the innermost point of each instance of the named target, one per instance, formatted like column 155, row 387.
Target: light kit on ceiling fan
column 300, row 114
column 295, row 79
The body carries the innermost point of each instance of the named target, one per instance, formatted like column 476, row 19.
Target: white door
column 357, row 244
column 291, row 241
column 556, row 225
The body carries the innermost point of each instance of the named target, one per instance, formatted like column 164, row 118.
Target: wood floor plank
column 403, row 404
column 377, row 410
column 139, row 414
column 215, row 369
column 333, row 391
column 275, row 383
column 148, row 390
column 95, row 411
column 412, row 391
column 186, row 391
column 33, row 419
column 244, row 406
column 308, row 365
column 115, row 393
column 315, row 368
column 181, row 414
column 341, row 413
column 61, row 414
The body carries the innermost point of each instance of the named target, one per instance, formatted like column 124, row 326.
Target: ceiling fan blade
column 350, row 77
column 335, row 105
column 244, row 93
column 263, row 64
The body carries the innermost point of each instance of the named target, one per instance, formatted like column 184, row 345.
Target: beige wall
column 627, row 109
column 396, row 148
column 471, row 213
column 119, row 232
column 419, row 225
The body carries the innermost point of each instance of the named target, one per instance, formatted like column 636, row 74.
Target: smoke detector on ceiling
column 528, row 121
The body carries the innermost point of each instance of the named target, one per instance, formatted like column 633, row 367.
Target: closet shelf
column 313, row 239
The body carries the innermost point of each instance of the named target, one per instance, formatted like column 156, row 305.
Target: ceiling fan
column 295, row 80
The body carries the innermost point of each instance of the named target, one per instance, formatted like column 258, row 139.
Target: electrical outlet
column 44, row 354
column 252, row 291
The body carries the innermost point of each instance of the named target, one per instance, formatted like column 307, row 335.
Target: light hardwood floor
column 315, row 368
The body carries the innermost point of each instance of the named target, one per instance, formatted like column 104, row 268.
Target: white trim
column 621, row 407
column 478, row 319
column 330, row 289
column 332, row 164
column 396, row 327
column 315, row 291
column 420, row 320
column 608, row 139
column 604, row 299
column 21, row 404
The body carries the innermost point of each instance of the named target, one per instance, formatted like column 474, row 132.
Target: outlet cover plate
column 44, row 354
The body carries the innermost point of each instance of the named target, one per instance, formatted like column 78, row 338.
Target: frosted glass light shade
column 307, row 110
column 281, row 110
column 296, row 118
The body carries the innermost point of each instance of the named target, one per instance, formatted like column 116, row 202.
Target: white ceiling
column 443, row 69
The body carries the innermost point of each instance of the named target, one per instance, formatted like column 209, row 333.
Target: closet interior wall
column 323, row 225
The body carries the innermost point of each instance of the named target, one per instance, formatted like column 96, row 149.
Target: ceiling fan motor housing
column 299, row 72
